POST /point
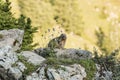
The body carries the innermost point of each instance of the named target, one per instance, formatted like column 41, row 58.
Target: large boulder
column 33, row 58
column 10, row 40
column 66, row 53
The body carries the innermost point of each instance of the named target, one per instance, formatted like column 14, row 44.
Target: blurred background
column 89, row 24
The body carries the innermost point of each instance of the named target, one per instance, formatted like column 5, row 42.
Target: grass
column 54, row 62
column 90, row 16
column 30, row 67
column 88, row 64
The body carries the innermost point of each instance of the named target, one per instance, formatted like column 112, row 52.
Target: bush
column 109, row 63
column 7, row 21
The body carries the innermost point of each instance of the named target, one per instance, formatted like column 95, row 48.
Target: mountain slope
column 94, row 14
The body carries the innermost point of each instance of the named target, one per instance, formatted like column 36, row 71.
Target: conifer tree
column 7, row 21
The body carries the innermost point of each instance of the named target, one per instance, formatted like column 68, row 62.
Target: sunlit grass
column 91, row 16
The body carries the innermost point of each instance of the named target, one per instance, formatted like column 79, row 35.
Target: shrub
column 109, row 63
column 7, row 21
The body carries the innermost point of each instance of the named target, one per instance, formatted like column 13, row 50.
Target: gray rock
column 10, row 42
column 33, row 76
column 41, row 73
column 102, row 74
column 21, row 66
column 53, row 75
column 76, row 77
column 66, row 53
column 72, row 72
column 5, row 50
column 108, row 75
column 7, row 60
column 73, row 53
column 32, row 57
column 4, row 75
column 16, row 73
column 12, row 38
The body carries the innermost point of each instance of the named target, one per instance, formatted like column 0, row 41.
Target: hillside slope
column 93, row 14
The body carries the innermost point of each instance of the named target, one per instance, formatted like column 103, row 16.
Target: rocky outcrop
column 31, row 65
column 72, row 72
column 14, row 66
column 10, row 40
column 66, row 53
column 9, row 43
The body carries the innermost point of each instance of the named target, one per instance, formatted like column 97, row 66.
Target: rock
column 72, row 72
column 53, row 75
column 5, row 50
column 41, row 73
column 12, row 68
column 16, row 73
column 73, row 53
column 33, row 76
column 76, row 77
column 11, row 38
column 7, row 60
column 9, row 43
column 32, row 57
column 3, row 74
column 102, row 74
column 108, row 75
column 66, row 53
column 79, row 69
column 21, row 66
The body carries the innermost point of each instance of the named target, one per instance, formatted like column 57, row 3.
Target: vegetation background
column 88, row 23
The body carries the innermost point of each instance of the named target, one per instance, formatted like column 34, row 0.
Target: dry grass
column 90, row 11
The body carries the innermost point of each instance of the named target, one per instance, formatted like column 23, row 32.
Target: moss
column 30, row 67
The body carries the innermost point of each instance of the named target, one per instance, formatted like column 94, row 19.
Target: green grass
column 88, row 64
column 43, row 13
column 30, row 67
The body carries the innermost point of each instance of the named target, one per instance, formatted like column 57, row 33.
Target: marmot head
column 63, row 37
